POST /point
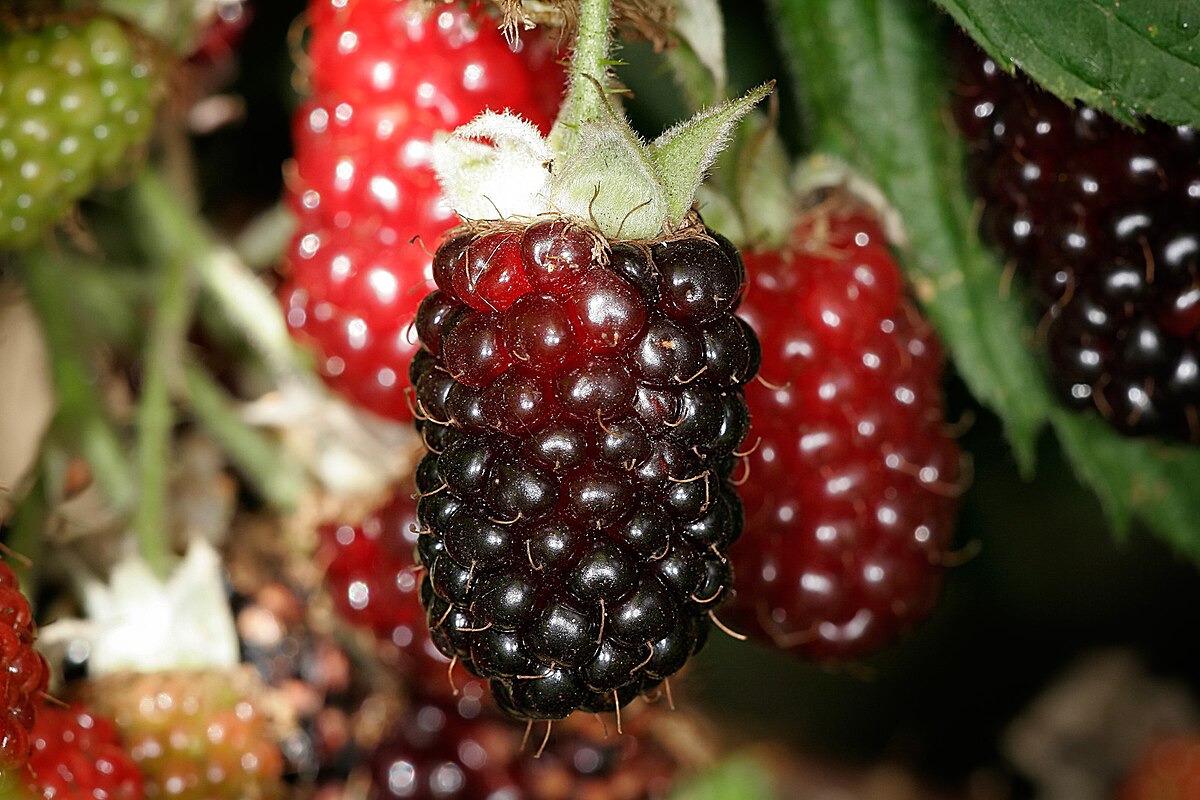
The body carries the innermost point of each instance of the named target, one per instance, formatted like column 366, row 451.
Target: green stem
column 238, row 292
column 260, row 459
column 156, row 415
column 165, row 239
column 589, row 66
column 80, row 411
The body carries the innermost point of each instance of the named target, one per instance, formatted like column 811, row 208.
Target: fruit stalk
column 279, row 479
column 155, row 413
column 239, row 294
column 589, row 66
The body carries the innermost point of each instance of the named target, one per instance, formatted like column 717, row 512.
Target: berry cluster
column 1101, row 219
column 386, row 76
column 310, row 676
column 23, row 674
column 192, row 735
column 581, row 401
column 77, row 755
column 850, row 501
column 75, row 100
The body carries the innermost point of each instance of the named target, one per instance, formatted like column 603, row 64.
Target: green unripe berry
column 75, row 102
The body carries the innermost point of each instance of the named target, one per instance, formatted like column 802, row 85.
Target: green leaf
column 1154, row 481
column 1126, row 58
column 610, row 180
column 734, row 779
column 871, row 78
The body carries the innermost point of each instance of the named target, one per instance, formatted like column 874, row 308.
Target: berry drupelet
column 852, row 476
column 1102, row 221
column 581, row 400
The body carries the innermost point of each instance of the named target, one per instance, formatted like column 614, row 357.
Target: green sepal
column 684, row 152
column 608, row 178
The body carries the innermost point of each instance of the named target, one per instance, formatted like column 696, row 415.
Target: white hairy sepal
column 499, row 167
column 496, row 166
column 142, row 623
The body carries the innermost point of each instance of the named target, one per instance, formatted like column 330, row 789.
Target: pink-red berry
column 386, row 75
column 77, row 755
column 24, row 674
column 851, row 479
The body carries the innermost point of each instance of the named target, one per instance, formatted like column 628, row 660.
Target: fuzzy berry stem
column 589, row 65
column 262, row 243
column 80, row 410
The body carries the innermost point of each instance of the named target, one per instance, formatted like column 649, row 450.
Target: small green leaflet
column 1126, row 57
column 1141, row 477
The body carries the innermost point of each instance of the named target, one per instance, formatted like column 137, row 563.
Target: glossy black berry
column 582, row 402
column 1102, row 220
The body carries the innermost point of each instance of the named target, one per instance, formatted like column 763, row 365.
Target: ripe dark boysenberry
column 581, row 401
column 852, row 478
column 1102, row 221
column 386, row 76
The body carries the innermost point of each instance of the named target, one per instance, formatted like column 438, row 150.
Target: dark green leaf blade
column 1154, row 481
column 1126, row 58
column 871, row 78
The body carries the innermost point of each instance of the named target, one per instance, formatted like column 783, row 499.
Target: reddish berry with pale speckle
column 850, row 497
column 1168, row 769
column 373, row 578
column 77, row 755
column 386, row 76
column 463, row 750
column 193, row 735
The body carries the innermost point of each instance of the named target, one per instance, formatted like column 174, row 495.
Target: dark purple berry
column 1101, row 219
column 585, row 430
